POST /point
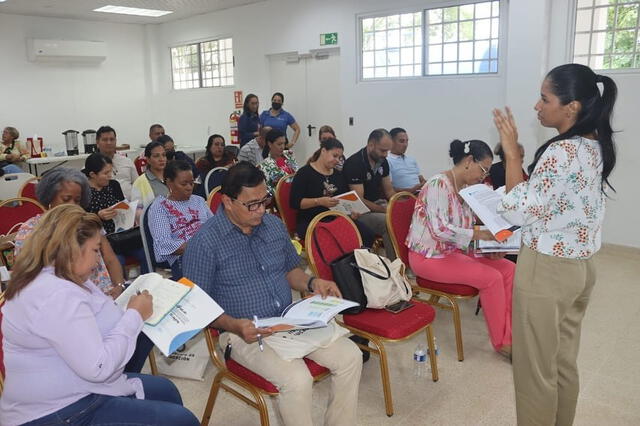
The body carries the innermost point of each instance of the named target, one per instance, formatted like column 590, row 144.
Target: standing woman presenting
column 561, row 210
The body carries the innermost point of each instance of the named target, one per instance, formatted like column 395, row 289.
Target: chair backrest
column 141, row 164
column 335, row 238
column 28, row 188
column 214, row 178
column 17, row 210
column 215, row 199
column 147, row 239
column 11, row 183
column 399, row 214
column 287, row 213
column 2, row 370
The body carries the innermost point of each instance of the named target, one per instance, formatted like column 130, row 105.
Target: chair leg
column 478, row 306
column 457, row 327
column 433, row 357
column 213, row 394
column 262, row 408
column 152, row 363
column 384, row 373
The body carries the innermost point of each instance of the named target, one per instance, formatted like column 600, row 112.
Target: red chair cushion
column 392, row 326
column 314, row 369
column 325, row 233
column 455, row 289
column 401, row 215
column 216, row 200
column 17, row 214
column 287, row 214
column 29, row 191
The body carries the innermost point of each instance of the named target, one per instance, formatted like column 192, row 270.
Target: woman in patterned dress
column 278, row 162
column 441, row 233
column 561, row 210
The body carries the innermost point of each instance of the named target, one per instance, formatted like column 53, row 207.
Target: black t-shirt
column 309, row 183
column 357, row 171
column 106, row 197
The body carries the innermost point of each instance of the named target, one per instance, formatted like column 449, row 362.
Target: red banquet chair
column 241, row 376
column 399, row 214
column 15, row 211
column 214, row 199
column 287, row 213
column 376, row 325
column 28, row 189
column 2, row 371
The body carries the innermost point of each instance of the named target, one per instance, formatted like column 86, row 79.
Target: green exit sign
column 329, row 38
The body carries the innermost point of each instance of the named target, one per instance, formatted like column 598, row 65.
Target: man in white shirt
column 404, row 170
column 123, row 169
column 252, row 150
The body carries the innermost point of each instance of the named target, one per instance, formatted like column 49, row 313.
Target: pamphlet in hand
column 312, row 312
column 166, row 294
column 126, row 214
column 484, row 201
column 510, row 246
column 194, row 312
column 349, row 202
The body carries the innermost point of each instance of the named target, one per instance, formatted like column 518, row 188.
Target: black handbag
column 125, row 241
column 346, row 274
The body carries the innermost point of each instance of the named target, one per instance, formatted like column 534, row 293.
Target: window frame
column 571, row 34
column 198, row 43
column 502, row 44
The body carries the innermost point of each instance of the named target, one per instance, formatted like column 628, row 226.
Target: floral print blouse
column 442, row 222
column 273, row 171
column 561, row 208
column 99, row 276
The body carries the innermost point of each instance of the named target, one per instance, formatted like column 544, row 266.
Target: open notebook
column 484, row 201
column 166, row 294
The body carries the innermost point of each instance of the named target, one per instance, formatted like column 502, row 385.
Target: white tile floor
column 479, row 391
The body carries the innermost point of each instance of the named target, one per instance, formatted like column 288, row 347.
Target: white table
column 59, row 161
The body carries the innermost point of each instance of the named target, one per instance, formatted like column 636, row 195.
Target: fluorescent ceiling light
column 133, row 11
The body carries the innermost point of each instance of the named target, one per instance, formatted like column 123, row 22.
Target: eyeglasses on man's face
column 255, row 205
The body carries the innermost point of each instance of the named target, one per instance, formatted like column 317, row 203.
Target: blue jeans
column 162, row 406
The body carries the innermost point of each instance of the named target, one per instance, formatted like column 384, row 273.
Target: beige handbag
column 384, row 282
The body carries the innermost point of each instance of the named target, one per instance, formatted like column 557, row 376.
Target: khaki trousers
column 294, row 382
column 550, row 296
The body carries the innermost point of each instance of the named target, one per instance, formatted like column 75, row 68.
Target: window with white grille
column 206, row 64
column 459, row 39
column 607, row 34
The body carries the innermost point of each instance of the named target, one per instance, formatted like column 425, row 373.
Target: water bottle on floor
column 420, row 362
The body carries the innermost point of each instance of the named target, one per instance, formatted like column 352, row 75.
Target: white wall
column 49, row 98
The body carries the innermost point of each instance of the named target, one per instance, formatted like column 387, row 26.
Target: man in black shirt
column 367, row 173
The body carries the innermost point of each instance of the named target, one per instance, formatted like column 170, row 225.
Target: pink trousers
column 493, row 278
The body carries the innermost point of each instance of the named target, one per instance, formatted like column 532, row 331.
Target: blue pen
column 255, row 323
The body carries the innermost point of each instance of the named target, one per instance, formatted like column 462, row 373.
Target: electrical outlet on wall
column 350, row 121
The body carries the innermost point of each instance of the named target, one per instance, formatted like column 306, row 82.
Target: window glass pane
column 367, row 41
column 393, row 21
column 435, row 33
column 481, row 66
column 381, row 58
column 381, row 72
column 393, row 57
column 367, row 73
column 380, row 23
column 367, row 59
column 465, row 67
column 450, row 14
column 495, row 8
column 583, row 3
column 406, row 71
column 417, row 36
column 466, row 51
column 494, row 66
column 481, row 50
column 417, row 19
column 407, row 37
column 407, row 20
column 466, row 31
column 450, row 32
column 483, row 29
column 417, row 55
column 583, row 20
column 435, row 16
column 450, row 68
column 367, row 25
column 627, row 16
column 417, row 70
column 495, row 28
column 435, row 69
column 624, row 41
column 602, row 19
column 435, row 53
column 393, row 38
column 450, row 52
column 466, row 11
column 407, row 55
column 381, row 40
column 494, row 49
column 393, row 72
column 483, row 10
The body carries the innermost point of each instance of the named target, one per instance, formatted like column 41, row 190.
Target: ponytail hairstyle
column 327, row 145
column 575, row 82
column 477, row 149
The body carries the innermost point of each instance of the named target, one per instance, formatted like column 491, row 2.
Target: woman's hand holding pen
column 247, row 330
column 143, row 303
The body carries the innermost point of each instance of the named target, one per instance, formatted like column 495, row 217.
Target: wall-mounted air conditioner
column 40, row 50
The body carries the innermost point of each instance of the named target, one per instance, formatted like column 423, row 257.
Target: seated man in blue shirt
column 404, row 170
column 244, row 259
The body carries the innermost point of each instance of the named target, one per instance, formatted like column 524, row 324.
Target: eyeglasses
column 255, row 205
column 484, row 171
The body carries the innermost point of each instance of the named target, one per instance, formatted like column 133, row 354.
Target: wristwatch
column 310, row 284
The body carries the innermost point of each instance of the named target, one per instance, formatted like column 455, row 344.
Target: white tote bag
column 384, row 281
column 188, row 362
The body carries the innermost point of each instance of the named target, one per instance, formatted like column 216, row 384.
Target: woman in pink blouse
column 440, row 239
column 561, row 210
column 66, row 343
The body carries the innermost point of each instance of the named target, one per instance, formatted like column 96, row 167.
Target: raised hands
column 506, row 126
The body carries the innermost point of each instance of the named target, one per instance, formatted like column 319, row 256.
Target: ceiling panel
column 83, row 9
